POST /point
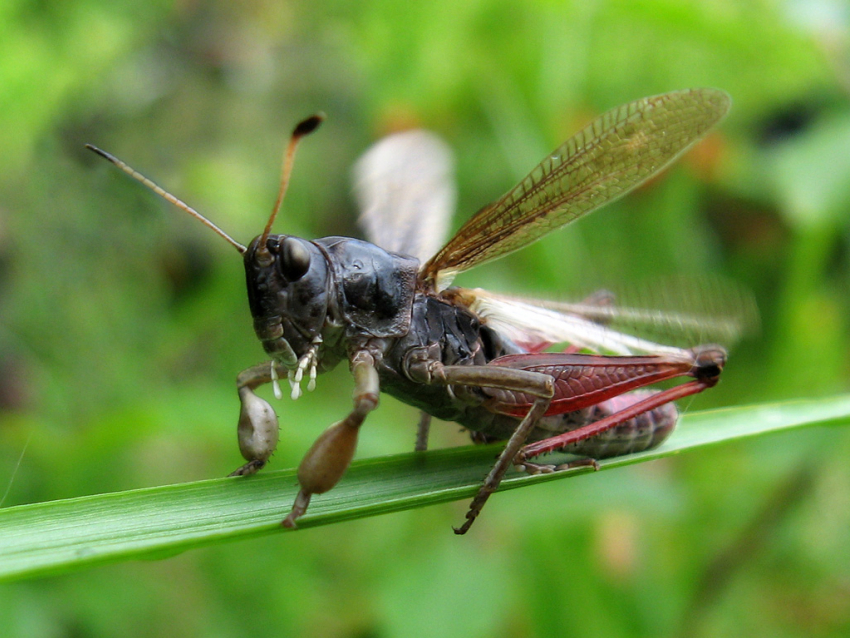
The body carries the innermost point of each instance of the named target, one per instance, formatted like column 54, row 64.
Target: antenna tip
column 102, row 153
column 307, row 126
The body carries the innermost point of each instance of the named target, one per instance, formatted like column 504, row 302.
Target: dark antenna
column 304, row 127
column 166, row 196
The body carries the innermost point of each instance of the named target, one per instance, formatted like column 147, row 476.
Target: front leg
column 258, row 428
column 331, row 454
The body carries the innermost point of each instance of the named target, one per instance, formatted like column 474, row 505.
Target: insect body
column 465, row 355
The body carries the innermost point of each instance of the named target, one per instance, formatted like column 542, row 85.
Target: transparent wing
column 723, row 314
column 678, row 310
column 615, row 153
column 404, row 187
column 535, row 327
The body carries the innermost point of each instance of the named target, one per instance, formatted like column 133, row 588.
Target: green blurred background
column 123, row 323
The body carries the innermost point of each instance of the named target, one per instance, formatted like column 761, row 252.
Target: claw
column 309, row 360
column 296, row 391
column 311, row 384
column 275, row 385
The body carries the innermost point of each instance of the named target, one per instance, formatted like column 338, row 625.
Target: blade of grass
column 61, row 536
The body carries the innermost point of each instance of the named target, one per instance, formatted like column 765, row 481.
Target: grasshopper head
column 289, row 287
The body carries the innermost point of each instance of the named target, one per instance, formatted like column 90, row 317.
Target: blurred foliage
column 123, row 324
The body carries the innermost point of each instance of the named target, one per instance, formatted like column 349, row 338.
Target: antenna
column 166, row 196
column 304, row 127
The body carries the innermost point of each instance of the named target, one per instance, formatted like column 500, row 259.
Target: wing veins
column 614, row 154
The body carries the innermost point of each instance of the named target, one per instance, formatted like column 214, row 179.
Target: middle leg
column 539, row 387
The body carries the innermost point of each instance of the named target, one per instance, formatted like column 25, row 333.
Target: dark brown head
column 289, row 290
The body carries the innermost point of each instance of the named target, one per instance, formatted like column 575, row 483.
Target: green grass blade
column 60, row 536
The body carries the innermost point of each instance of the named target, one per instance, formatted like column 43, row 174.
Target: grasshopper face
column 289, row 287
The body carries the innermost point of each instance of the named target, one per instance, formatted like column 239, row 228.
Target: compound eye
column 295, row 259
